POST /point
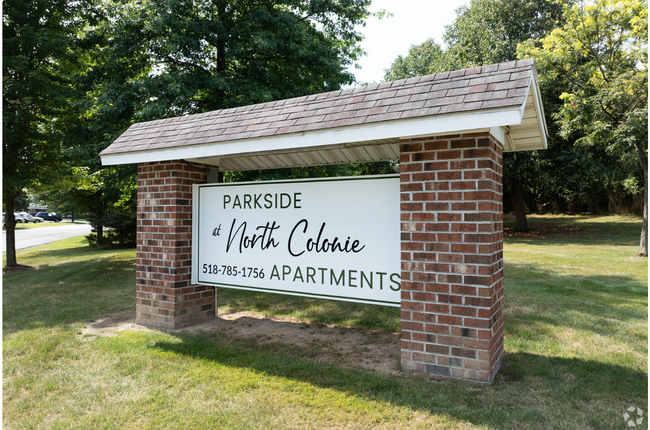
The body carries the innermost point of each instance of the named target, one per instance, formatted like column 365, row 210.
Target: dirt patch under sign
column 366, row 349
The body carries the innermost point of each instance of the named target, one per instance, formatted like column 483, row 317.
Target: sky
column 414, row 21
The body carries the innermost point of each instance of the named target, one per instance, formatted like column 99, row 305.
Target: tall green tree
column 600, row 55
column 487, row 32
column 107, row 196
column 425, row 59
column 37, row 70
column 177, row 57
column 154, row 59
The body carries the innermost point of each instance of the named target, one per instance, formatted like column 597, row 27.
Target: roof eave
column 518, row 136
column 400, row 129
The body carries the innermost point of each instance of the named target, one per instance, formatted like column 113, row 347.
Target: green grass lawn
column 576, row 349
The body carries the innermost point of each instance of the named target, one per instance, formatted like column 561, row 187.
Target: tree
column 570, row 178
column 178, row 57
column 149, row 60
column 36, row 70
column 600, row 54
column 424, row 59
column 107, row 195
column 487, row 32
column 352, row 169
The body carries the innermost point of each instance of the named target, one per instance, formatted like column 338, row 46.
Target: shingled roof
column 503, row 96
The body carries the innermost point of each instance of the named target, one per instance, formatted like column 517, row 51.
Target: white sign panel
column 336, row 238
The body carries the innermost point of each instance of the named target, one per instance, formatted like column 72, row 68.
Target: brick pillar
column 452, row 255
column 164, row 297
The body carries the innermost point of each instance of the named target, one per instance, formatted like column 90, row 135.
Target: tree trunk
column 643, row 244
column 593, row 203
column 518, row 200
column 99, row 227
column 643, row 161
column 221, row 55
column 521, row 224
column 10, row 226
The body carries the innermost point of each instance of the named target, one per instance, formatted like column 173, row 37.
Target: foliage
column 484, row 32
column 21, row 204
column 145, row 60
column 600, row 57
column 37, row 83
column 112, row 193
column 576, row 178
column 565, row 177
column 37, row 36
column 122, row 229
column 424, row 59
column 178, row 57
column 354, row 169
column 107, row 195
column 488, row 31
column 203, row 56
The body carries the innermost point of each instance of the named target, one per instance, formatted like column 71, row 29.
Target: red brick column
column 452, row 255
column 164, row 297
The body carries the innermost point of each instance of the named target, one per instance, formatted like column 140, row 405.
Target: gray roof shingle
column 486, row 87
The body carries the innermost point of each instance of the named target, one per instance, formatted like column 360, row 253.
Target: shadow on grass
column 313, row 310
column 580, row 230
column 597, row 303
column 67, row 293
column 86, row 251
column 531, row 391
column 582, row 240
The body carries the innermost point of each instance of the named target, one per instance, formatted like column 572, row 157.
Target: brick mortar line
column 447, row 314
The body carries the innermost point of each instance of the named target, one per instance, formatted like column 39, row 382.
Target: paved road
column 31, row 237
